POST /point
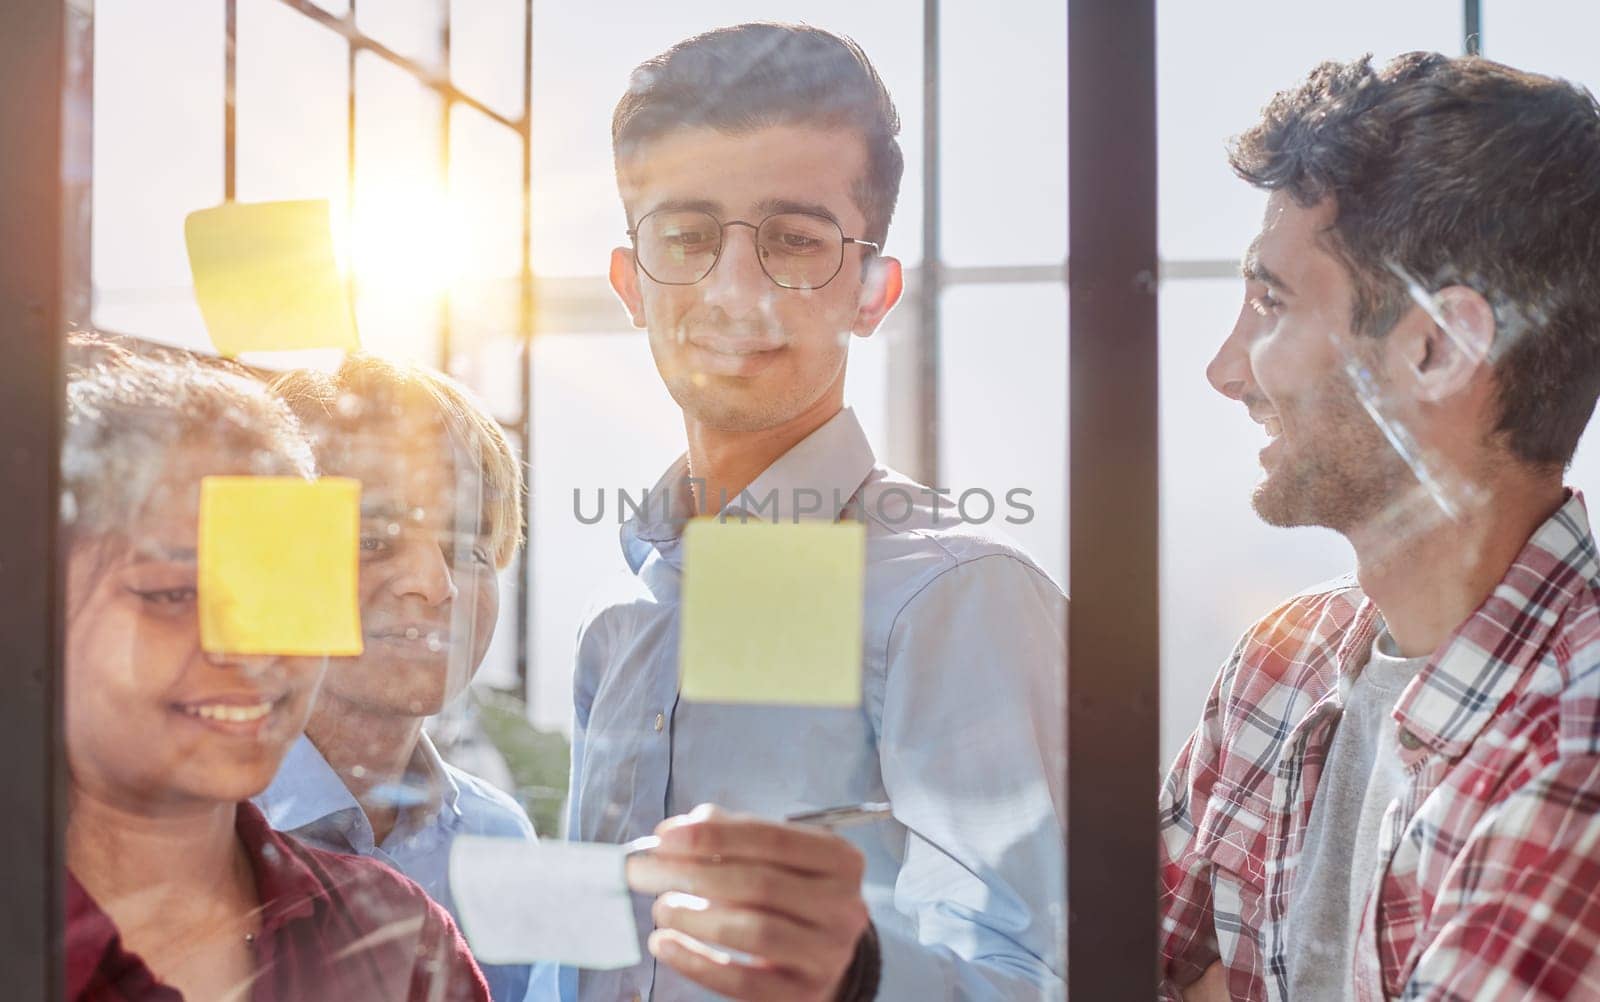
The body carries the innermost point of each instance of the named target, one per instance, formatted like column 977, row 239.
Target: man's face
column 429, row 594
column 1327, row 462
column 736, row 351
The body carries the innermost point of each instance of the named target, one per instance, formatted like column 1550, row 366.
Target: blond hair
column 369, row 391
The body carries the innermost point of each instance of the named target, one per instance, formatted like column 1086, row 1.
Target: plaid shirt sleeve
column 1517, row 917
column 1187, row 934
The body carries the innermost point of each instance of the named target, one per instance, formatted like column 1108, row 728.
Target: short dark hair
column 1459, row 171
column 751, row 76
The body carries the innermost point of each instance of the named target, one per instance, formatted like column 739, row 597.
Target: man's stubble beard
column 1340, row 473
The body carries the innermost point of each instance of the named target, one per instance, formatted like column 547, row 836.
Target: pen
column 843, row 816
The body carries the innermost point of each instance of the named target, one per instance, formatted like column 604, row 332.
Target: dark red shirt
column 334, row 928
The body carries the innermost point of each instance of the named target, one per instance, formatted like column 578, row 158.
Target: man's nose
column 738, row 275
column 424, row 571
column 1229, row 370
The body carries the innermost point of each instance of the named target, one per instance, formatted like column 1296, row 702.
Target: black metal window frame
column 436, row 79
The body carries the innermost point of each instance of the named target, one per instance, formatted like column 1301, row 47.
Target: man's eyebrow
column 768, row 206
column 687, row 204
column 1253, row 270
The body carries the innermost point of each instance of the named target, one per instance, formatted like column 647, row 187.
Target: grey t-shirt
column 1339, row 860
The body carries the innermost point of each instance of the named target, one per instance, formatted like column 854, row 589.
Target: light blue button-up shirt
column 959, row 728
column 308, row 800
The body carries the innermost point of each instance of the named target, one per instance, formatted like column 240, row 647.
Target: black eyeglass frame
column 722, row 229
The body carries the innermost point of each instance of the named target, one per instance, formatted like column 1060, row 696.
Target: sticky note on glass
column 265, row 277
column 771, row 612
column 277, row 565
column 524, row 902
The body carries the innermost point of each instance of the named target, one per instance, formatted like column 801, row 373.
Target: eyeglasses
column 797, row 250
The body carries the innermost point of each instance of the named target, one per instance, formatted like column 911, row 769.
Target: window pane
column 1218, row 63
column 1554, row 37
column 411, row 28
column 158, row 157
column 1003, row 97
column 1003, row 412
column 292, row 125
column 631, row 432
column 399, row 237
column 485, row 256
column 486, row 46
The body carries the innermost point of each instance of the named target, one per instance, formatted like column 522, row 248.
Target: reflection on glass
column 789, row 365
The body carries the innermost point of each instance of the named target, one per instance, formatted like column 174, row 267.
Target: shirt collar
column 307, row 790
column 287, row 886
column 427, row 761
column 813, row 480
column 1451, row 701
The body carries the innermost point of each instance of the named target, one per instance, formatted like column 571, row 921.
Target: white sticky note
column 523, row 902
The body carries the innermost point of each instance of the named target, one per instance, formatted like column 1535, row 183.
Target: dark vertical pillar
column 45, row 69
column 1113, row 653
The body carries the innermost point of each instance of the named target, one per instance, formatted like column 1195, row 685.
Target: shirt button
column 1409, row 741
column 661, row 721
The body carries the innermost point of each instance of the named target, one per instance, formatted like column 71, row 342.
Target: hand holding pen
column 785, row 895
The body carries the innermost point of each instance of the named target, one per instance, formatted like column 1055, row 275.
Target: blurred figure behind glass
column 441, row 511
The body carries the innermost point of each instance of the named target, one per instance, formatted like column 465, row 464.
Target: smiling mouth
column 412, row 634
column 230, row 713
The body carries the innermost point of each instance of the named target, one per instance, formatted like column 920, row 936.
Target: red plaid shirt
column 1490, row 880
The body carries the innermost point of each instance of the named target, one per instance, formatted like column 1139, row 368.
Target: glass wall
column 361, row 283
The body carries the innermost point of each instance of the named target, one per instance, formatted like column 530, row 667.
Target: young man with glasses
column 759, row 168
column 1394, row 790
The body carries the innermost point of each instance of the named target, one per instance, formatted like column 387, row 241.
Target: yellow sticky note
column 771, row 613
column 278, row 560
column 265, row 277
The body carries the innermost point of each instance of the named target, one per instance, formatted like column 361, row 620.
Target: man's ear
column 1448, row 351
column 625, row 283
column 880, row 290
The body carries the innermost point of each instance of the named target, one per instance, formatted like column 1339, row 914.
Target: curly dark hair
column 1459, row 171
column 750, row 76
